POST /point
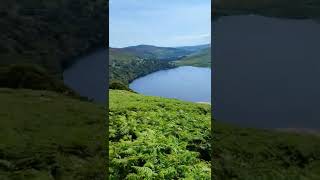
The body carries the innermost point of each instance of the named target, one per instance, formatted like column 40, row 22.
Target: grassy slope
column 45, row 135
column 251, row 154
column 153, row 137
column 274, row 8
column 199, row 59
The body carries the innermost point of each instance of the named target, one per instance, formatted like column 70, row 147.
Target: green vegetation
column 31, row 77
column 194, row 49
column 201, row 58
column 50, row 33
column 159, row 53
column 158, row 138
column 124, row 66
column 45, row 135
column 252, row 154
column 273, row 8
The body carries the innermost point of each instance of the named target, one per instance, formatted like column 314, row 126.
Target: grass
column 198, row 59
column 158, row 138
column 255, row 154
column 45, row 135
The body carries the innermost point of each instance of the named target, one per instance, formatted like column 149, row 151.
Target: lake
column 88, row 76
column 267, row 72
column 185, row 83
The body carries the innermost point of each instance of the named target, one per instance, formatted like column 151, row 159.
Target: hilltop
column 45, row 135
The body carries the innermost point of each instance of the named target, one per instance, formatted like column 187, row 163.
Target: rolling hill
column 194, row 49
column 159, row 53
column 201, row 58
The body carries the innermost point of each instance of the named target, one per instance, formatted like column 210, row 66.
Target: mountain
column 273, row 8
column 158, row 138
column 154, row 52
column 46, row 135
column 201, row 58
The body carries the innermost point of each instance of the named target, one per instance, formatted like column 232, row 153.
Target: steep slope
column 158, row 138
column 200, row 58
column 125, row 66
column 45, row 135
column 50, row 33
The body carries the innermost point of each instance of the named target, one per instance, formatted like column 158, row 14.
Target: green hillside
column 252, row 154
column 274, row 8
column 196, row 48
column 50, row 33
column 201, row 58
column 160, row 53
column 45, row 135
column 124, row 66
column 158, row 138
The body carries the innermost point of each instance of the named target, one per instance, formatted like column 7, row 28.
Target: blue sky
column 167, row 23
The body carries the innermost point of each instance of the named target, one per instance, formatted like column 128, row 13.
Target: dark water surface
column 267, row 72
column 184, row 83
column 88, row 76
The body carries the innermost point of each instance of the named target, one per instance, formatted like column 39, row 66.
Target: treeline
column 50, row 33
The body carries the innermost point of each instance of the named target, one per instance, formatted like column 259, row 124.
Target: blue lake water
column 185, row 83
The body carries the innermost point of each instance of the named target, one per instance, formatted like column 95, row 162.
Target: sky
column 166, row 23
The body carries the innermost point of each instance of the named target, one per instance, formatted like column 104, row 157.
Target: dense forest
column 50, row 33
column 125, row 66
